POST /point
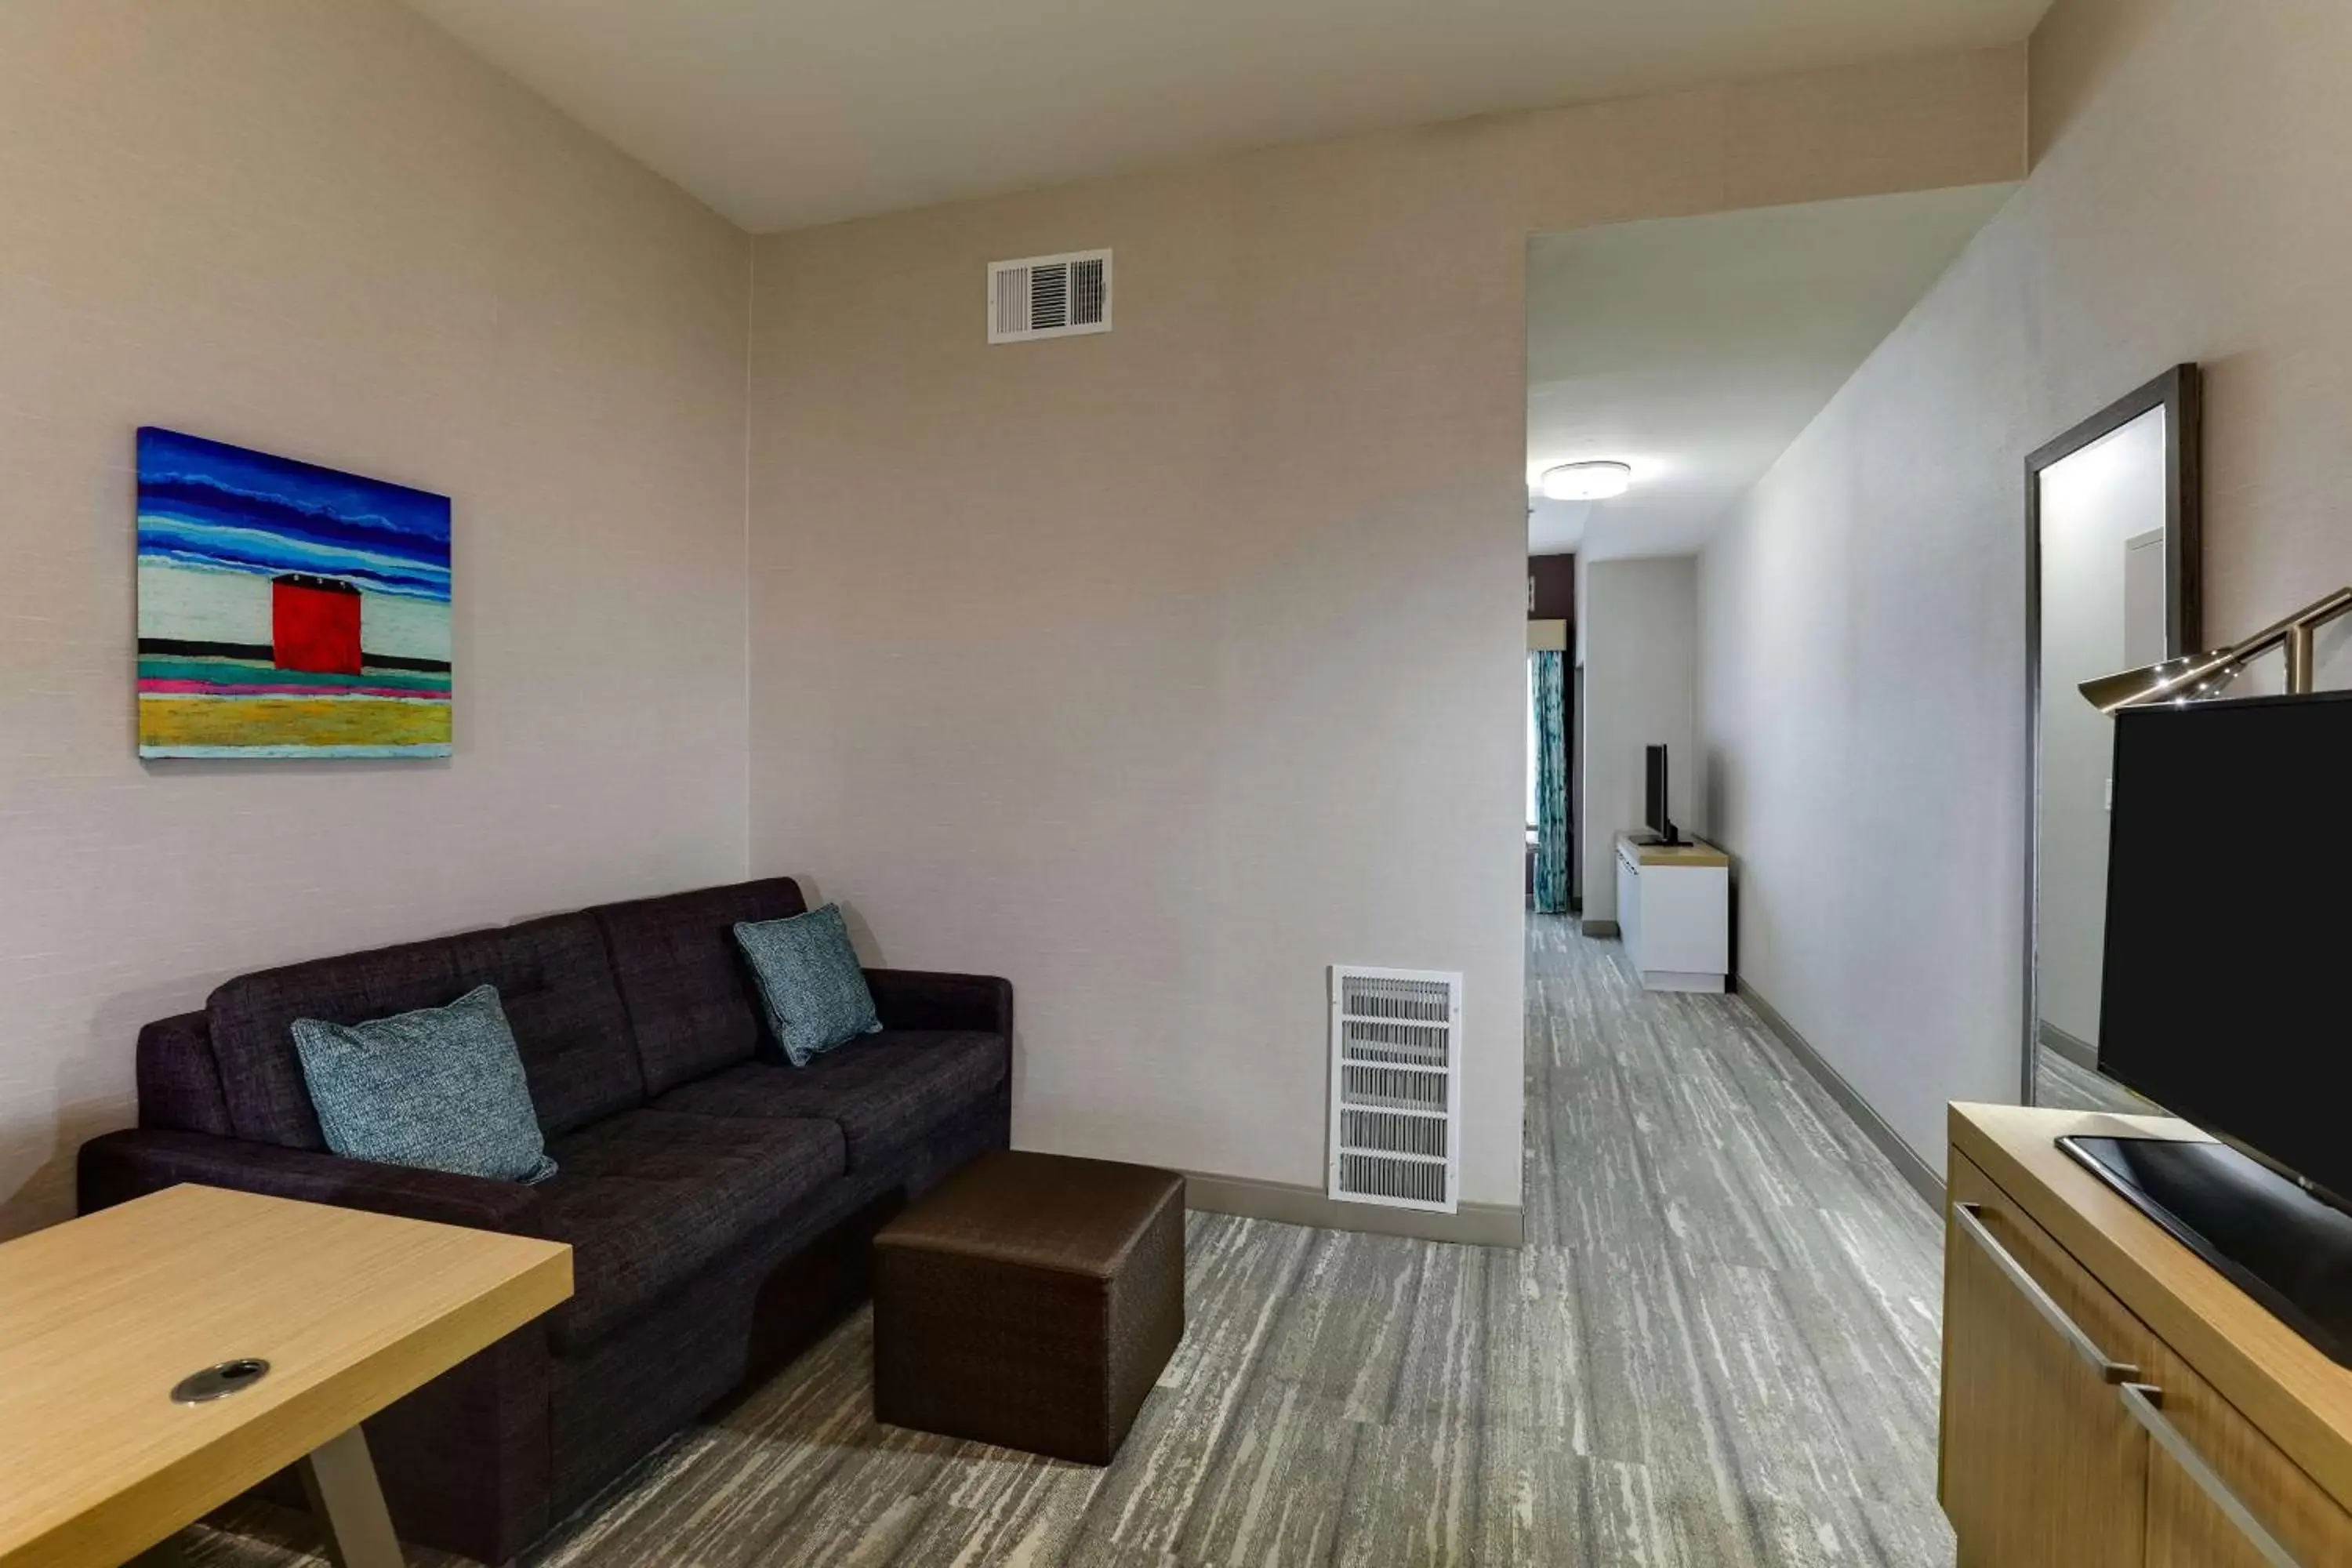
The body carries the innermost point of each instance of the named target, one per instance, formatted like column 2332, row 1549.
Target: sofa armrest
column 915, row 999
column 120, row 1166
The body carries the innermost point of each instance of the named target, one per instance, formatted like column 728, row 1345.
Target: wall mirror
column 2112, row 518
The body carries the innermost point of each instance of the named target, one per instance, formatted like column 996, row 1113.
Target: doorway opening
column 1671, row 364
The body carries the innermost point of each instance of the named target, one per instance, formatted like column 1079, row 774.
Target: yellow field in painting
column 230, row 721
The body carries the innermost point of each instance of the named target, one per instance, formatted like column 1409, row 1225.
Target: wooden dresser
column 2110, row 1400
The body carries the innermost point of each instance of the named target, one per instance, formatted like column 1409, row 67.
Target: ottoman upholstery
column 1030, row 1302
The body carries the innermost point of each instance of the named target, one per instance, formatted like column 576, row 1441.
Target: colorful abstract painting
column 287, row 610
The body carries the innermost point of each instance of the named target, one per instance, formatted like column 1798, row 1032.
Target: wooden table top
column 2284, row 1384
column 1689, row 852
column 100, row 1316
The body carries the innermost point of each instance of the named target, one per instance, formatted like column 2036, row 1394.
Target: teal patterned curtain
column 1551, row 781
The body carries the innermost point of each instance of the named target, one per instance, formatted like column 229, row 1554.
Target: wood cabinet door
column 2211, row 1452
column 2043, row 1464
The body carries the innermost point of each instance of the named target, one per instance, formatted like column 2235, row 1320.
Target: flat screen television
column 1659, row 821
column 2229, row 868
column 2222, row 998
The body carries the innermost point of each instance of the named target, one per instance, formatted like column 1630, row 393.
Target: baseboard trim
column 2082, row 1053
column 1917, row 1173
column 1474, row 1224
column 1597, row 928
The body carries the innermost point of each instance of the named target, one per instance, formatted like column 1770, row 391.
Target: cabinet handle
column 2109, row 1370
column 2143, row 1403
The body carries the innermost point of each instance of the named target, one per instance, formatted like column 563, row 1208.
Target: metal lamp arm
column 2202, row 675
column 2299, row 633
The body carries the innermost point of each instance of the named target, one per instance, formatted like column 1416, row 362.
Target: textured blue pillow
column 441, row 1089
column 815, row 993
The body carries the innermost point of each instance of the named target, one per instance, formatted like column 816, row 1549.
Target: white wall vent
column 1396, row 1087
column 1049, row 297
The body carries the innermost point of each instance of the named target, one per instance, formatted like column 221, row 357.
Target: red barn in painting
column 315, row 625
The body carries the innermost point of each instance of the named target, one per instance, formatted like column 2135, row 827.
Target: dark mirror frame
column 2179, row 392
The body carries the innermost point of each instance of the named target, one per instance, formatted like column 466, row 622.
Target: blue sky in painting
column 205, row 504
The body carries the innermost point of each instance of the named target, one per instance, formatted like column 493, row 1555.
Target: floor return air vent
column 1396, row 1087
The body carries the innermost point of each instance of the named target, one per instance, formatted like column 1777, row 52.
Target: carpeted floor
column 1719, row 1348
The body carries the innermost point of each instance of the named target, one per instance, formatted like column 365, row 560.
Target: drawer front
column 1684, row 919
column 2211, row 1452
column 2041, row 1463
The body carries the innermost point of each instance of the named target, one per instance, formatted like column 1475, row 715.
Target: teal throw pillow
column 441, row 1089
column 815, row 993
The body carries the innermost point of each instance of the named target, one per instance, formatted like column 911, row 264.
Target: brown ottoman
column 1030, row 1302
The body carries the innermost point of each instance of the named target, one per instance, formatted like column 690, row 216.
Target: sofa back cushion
column 551, row 976
column 692, row 1002
column 179, row 1082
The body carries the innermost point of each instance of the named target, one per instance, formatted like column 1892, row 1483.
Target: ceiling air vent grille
column 1049, row 297
column 1396, row 1087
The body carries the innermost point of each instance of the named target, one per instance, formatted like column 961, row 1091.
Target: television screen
column 2227, row 875
column 1656, row 800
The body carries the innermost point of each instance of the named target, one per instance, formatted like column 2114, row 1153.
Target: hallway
column 1759, row 1290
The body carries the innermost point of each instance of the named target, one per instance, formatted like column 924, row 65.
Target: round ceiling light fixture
column 1595, row 481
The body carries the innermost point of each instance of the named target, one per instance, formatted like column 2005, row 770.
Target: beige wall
column 1863, row 674
column 1639, row 625
column 1160, row 670
column 317, row 227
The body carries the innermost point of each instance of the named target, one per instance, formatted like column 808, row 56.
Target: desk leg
column 339, row 1479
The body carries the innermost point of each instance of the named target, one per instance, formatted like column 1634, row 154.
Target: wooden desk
column 100, row 1317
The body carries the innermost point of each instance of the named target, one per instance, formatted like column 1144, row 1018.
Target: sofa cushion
column 441, row 1089
column 884, row 1092
column 812, row 990
column 551, row 976
column 179, row 1081
column 689, row 994
column 648, row 1198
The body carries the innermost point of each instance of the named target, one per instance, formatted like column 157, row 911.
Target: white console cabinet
column 1674, row 908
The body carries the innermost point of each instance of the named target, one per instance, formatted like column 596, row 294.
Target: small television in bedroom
column 2222, row 993
column 1659, row 821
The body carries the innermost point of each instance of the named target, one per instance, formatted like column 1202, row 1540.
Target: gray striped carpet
column 1719, row 1348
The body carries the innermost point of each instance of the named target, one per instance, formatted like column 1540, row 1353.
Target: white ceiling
column 784, row 113
column 1696, row 348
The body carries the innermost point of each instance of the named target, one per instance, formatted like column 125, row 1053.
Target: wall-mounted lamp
column 2207, row 674
column 1595, row 481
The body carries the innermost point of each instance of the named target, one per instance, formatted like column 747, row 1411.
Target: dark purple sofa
column 719, row 1202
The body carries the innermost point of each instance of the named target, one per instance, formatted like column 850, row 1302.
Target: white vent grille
column 1049, row 297
column 1396, row 1087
